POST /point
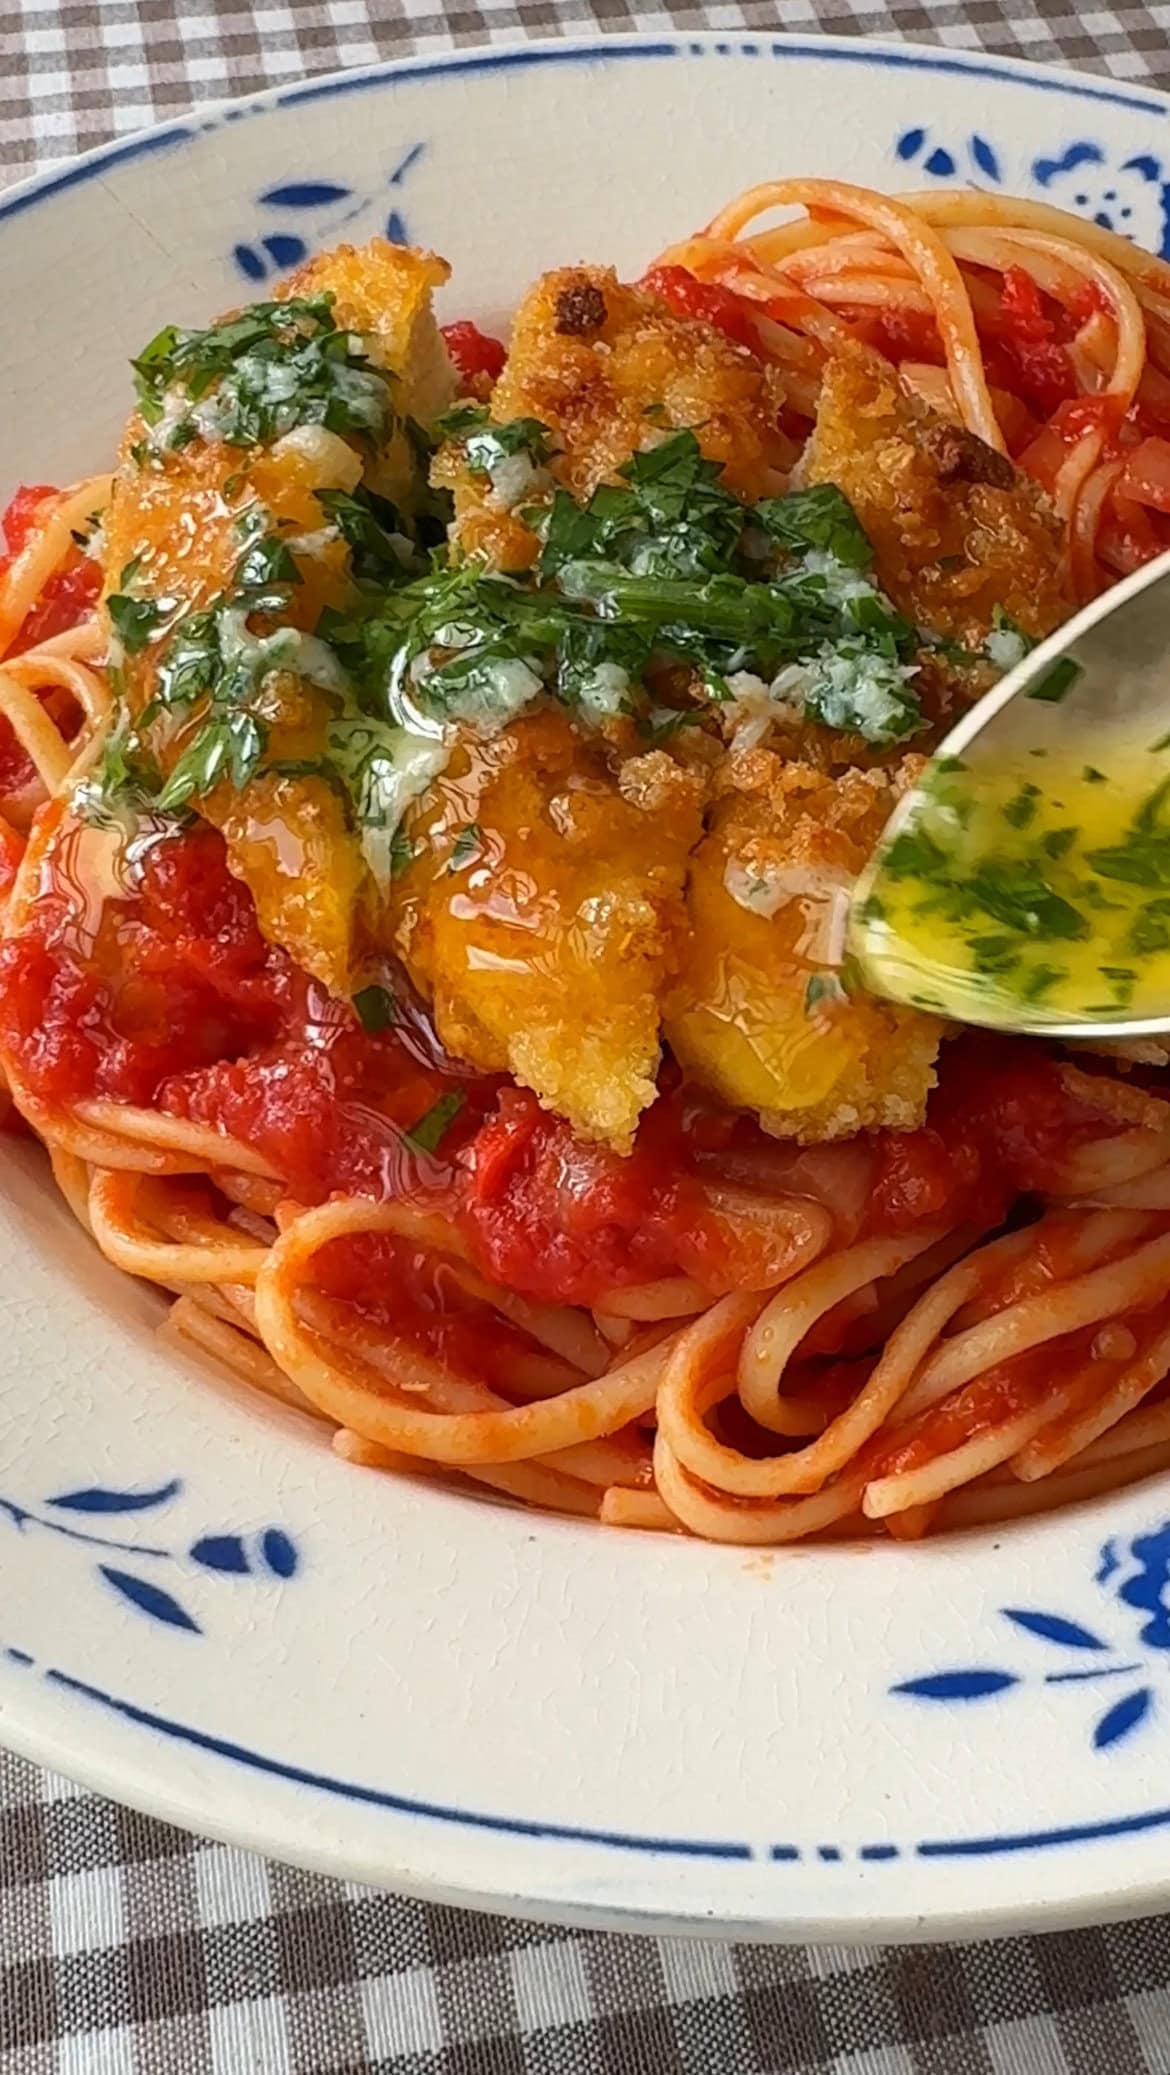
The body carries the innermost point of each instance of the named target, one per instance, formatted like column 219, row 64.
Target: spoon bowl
column 1023, row 883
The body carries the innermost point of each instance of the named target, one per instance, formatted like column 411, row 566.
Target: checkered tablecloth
column 127, row 1948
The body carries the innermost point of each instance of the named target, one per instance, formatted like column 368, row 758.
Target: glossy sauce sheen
column 1045, row 882
column 142, row 976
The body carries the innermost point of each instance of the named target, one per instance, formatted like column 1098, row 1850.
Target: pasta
column 430, row 974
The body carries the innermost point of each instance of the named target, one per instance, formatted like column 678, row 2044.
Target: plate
column 206, row 1613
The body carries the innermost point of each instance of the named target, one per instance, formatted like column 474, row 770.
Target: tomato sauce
column 165, row 992
column 705, row 301
column 71, row 593
column 476, row 357
column 72, row 590
column 1000, row 1394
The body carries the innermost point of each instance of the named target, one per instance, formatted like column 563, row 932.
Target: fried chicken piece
column 757, row 1013
column 543, row 913
column 383, row 292
column 957, row 531
column 608, row 369
column 288, row 838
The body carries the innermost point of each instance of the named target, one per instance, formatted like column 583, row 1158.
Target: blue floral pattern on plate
column 1131, row 195
column 1138, row 1576
column 315, row 213
column 269, row 1553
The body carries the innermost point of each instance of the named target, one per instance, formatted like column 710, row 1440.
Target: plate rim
column 575, row 48
column 107, row 1773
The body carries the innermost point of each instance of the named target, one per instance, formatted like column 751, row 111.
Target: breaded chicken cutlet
column 569, row 878
column 958, row 538
column 183, row 514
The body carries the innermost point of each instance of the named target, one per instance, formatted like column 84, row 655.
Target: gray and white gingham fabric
column 127, row 1948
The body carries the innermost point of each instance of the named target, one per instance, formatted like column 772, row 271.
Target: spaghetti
column 719, row 1334
column 1047, row 337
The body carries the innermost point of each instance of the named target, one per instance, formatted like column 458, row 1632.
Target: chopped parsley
column 121, row 785
column 1057, row 681
column 1020, row 811
column 820, row 518
column 249, row 379
column 212, row 659
column 1142, row 858
column 1040, row 981
column 1057, row 843
column 1151, row 928
column 486, row 444
column 380, row 547
column 468, row 844
column 663, row 569
column 376, row 1008
column 671, row 516
column 647, row 574
column 822, row 987
column 427, row 1135
column 138, row 621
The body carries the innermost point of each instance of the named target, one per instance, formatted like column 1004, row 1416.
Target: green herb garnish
column 376, row 1008
column 432, row 1126
column 468, row 844
column 1057, row 681
column 379, row 542
column 1057, row 843
column 251, row 378
column 821, row 987
column 138, row 621
column 822, row 519
column 486, row 444
column 1020, row 812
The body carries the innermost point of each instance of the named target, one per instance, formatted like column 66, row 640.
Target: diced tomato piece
column 706, row 302
column 1128, row 536
column 1022, row 308
column 1016, row 422
column 1147, row 475
column 1089, row 414
column 17, row 769
column 22, row 513
column 917, row 1179
column 69, row 596
column 1089, row 301
column 70, row 593
column 1038, row 371
column 1044, row 457
column 474, row 352
column 497, row 1150
column 898, row 334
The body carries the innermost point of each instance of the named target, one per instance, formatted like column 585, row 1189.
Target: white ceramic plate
column 203, row 1611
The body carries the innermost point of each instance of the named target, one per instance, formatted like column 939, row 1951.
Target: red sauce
column 897, row 333
column 21, row 516
column 564, row 1219
column 71, row 593
column 421, row 1298
column 72, row 590
column 1000, row 1394
column 1022, row 347
column 168, row 994
column 165, row 992
column 706, row 302
column 474, row 353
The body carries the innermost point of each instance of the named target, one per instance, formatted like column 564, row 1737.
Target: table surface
column 127, row 1948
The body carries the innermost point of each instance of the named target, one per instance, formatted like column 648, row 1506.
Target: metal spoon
column 1099, row 690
